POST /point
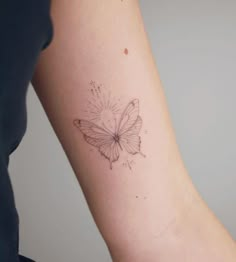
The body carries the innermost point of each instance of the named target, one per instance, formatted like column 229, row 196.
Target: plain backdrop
column 194, row 46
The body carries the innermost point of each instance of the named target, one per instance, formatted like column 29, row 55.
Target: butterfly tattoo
column 124, row 136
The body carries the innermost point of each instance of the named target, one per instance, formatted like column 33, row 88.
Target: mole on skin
column 126, row 51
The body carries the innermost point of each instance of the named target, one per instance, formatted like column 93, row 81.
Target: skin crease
column 152, row 212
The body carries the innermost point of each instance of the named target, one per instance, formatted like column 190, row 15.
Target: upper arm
column 99, row 69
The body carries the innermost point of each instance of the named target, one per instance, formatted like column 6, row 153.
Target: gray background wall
column 194, row 46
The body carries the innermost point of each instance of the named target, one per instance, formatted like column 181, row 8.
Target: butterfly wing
column 129, row 127
column 100, row 138
column 110, row 151
column 128, row 117
column 130, row 138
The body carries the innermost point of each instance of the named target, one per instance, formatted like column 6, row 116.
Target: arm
column 101, row 91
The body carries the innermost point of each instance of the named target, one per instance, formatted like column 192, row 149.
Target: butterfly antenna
column 115, row 124
column 107, row 129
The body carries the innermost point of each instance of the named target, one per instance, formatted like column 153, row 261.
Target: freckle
column 126, row 51
column 136, row 196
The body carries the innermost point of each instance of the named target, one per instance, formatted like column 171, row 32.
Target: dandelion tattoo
column 110, row 131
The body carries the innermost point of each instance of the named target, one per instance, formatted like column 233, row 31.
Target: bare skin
column 100, row 88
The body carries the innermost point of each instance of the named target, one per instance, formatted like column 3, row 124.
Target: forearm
column 97, row 68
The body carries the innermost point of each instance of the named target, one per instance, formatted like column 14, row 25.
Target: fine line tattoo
column 109, row 133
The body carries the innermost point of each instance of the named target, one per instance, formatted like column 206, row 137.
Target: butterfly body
column 110, row 142
column 116, row 138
